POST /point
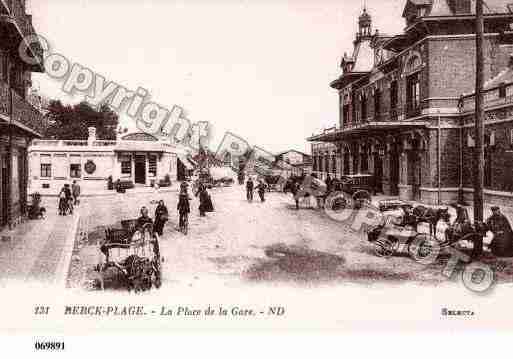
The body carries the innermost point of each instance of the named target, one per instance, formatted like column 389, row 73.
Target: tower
column 364, row 24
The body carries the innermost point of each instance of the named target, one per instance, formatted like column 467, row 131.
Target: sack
column 62, row 195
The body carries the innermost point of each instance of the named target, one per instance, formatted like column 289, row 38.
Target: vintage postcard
column 243, row 165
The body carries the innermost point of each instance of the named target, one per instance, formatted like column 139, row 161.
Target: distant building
column 405, row 111
column 20, row 122
column 300, row 163
column 137, row 157
column 325, row 160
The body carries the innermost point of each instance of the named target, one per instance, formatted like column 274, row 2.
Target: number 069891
column 49, row 346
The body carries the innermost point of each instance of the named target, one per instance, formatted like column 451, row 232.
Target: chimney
column 92, row 135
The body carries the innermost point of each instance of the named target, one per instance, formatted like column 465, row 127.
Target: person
column 205, row 201
column 183, row 207
column 184, row 186
column 62, row 202
column 498, row 224
column 161, row 217
column 261, row 190
column 143, row 219
column 329, row 183
column 295, row 187
column 75, row 191
column 65, row 200
column 249, row 189
column 241, row 178
column 69, row 197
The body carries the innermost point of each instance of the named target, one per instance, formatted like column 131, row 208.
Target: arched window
column 411, row 69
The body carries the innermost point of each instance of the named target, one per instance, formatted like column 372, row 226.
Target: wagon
column 397, row 235
column 356, row 190
column 133, row 255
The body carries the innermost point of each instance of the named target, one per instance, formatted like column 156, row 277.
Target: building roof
column 364, row 57
column 445, row 7
column 291, row 150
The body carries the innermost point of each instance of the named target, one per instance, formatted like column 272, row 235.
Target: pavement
column 38, row 250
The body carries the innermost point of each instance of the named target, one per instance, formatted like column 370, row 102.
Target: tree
column 70, row 122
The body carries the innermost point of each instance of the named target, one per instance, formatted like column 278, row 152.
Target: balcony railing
column 16, row 11
column 493, row 97
column 22, row 111
column 74, row 143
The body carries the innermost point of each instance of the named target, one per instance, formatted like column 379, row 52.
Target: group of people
column 69, row 197
column 183, row 207
column 250, row 187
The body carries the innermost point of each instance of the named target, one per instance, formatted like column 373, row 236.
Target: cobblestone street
column 229, row 245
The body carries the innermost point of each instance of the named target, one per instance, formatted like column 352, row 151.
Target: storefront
column 139, row 158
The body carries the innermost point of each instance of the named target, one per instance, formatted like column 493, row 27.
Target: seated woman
column 461, row 225
column 143, row 219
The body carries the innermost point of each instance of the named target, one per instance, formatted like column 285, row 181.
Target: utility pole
column 480, row 114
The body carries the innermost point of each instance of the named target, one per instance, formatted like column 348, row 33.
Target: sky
column 259, row 69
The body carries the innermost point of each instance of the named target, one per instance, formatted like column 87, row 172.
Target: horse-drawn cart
column 132, row 256
column 354, row 192
column 400, row 234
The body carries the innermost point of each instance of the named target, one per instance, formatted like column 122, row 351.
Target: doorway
column 394, row 173
column 140, row 169
column 378, row 173
column 416, row 174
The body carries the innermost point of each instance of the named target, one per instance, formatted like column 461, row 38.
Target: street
column 229, row 246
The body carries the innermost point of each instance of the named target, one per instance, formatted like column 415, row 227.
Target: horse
column 431, row 216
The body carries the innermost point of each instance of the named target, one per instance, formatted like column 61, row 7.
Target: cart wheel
column 424, row 248
column 385, row 247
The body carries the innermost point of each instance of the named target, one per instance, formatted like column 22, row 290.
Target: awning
column 185, row 162
column 368, row 128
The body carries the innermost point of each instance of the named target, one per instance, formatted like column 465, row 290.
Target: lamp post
column 479, row 124
column 461, row 198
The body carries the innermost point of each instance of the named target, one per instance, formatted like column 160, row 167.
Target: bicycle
column 184, row 223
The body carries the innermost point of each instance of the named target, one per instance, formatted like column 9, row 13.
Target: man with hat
column 498, row 224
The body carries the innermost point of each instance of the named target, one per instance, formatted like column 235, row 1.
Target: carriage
column 400, row 234
column 132, row 257
column 356, row 190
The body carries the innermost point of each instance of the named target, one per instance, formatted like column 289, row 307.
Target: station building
column 405, row 104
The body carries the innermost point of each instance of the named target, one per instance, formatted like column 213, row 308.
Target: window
column 75, row 167
column 126, row 166
column 46, row 166
column 502, row 90
column 152, row 165
column 46, row 170
column 377, row 103
column 75, row 170
column 393, row 95
column 413, row 92
column 364, row 107
column 346, row 113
